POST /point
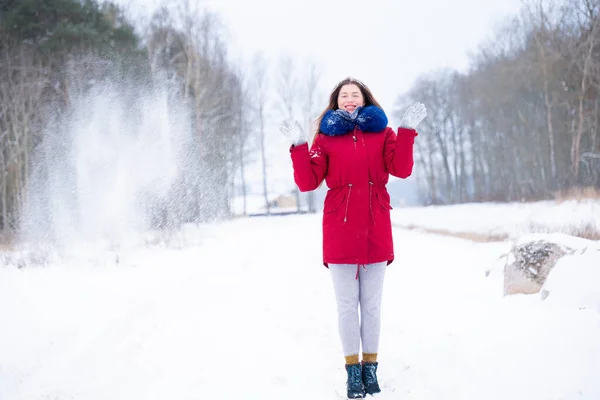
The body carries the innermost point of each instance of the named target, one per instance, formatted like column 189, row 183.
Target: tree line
column 522, row 122
column 55, row 52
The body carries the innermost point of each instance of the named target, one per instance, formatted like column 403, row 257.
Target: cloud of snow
column 101, row 168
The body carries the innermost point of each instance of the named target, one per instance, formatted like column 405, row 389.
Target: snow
column 574, row 281
column 512, row 220
column 245, row 309
column 567, row 242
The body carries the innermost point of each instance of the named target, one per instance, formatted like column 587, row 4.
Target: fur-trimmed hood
column 340, row 122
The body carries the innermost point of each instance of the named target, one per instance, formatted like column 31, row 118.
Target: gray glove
column 293, row 131
column 413, row 116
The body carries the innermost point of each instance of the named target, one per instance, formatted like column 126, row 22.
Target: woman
column 354, row 151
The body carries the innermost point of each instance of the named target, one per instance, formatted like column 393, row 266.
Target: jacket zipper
column 347, row 202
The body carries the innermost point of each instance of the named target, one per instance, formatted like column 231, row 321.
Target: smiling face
column 350, row 98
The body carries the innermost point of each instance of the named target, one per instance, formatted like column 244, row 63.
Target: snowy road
column 249, row 314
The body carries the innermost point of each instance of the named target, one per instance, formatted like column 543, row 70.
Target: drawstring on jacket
column 358, row 268
column 370, row 202
column 347, row 202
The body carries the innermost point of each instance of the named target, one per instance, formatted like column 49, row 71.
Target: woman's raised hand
column 413, row 116
column 293, row 131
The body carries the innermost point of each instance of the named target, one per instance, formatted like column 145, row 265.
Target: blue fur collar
column 339, row 122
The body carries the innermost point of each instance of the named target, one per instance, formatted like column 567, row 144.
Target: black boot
column 354, row 384
column 369, row 377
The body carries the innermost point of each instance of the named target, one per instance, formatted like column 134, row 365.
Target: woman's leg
column 371, row 286
column 346, row 288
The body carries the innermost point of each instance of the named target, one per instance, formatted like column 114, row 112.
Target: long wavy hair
column 333, row 99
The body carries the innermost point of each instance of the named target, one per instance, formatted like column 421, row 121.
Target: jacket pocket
column 334, row 201
column 384, row 200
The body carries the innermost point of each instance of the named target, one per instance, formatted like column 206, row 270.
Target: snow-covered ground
column 500, row 219
column 245, row 310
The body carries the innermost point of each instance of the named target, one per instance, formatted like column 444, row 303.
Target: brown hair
column 333, row 98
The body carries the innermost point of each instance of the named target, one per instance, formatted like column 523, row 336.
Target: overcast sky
column 385, row 43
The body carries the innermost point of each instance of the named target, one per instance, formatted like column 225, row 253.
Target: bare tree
column 288, row 96
column 22, row 77
column 287, row 87
column 244, row 123
column 586, row 59
column 539, row 18
column 514, row 127
column 309, row 103
column 259, row 92
column 189, row 54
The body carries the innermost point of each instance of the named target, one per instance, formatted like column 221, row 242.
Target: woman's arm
column 398, row 152
column 310, row 167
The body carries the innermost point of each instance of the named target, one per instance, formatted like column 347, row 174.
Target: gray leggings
column 349, row 293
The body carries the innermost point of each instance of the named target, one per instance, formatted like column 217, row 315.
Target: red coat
column 356, row 217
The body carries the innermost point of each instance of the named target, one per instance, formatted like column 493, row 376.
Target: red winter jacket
column 356, row 217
